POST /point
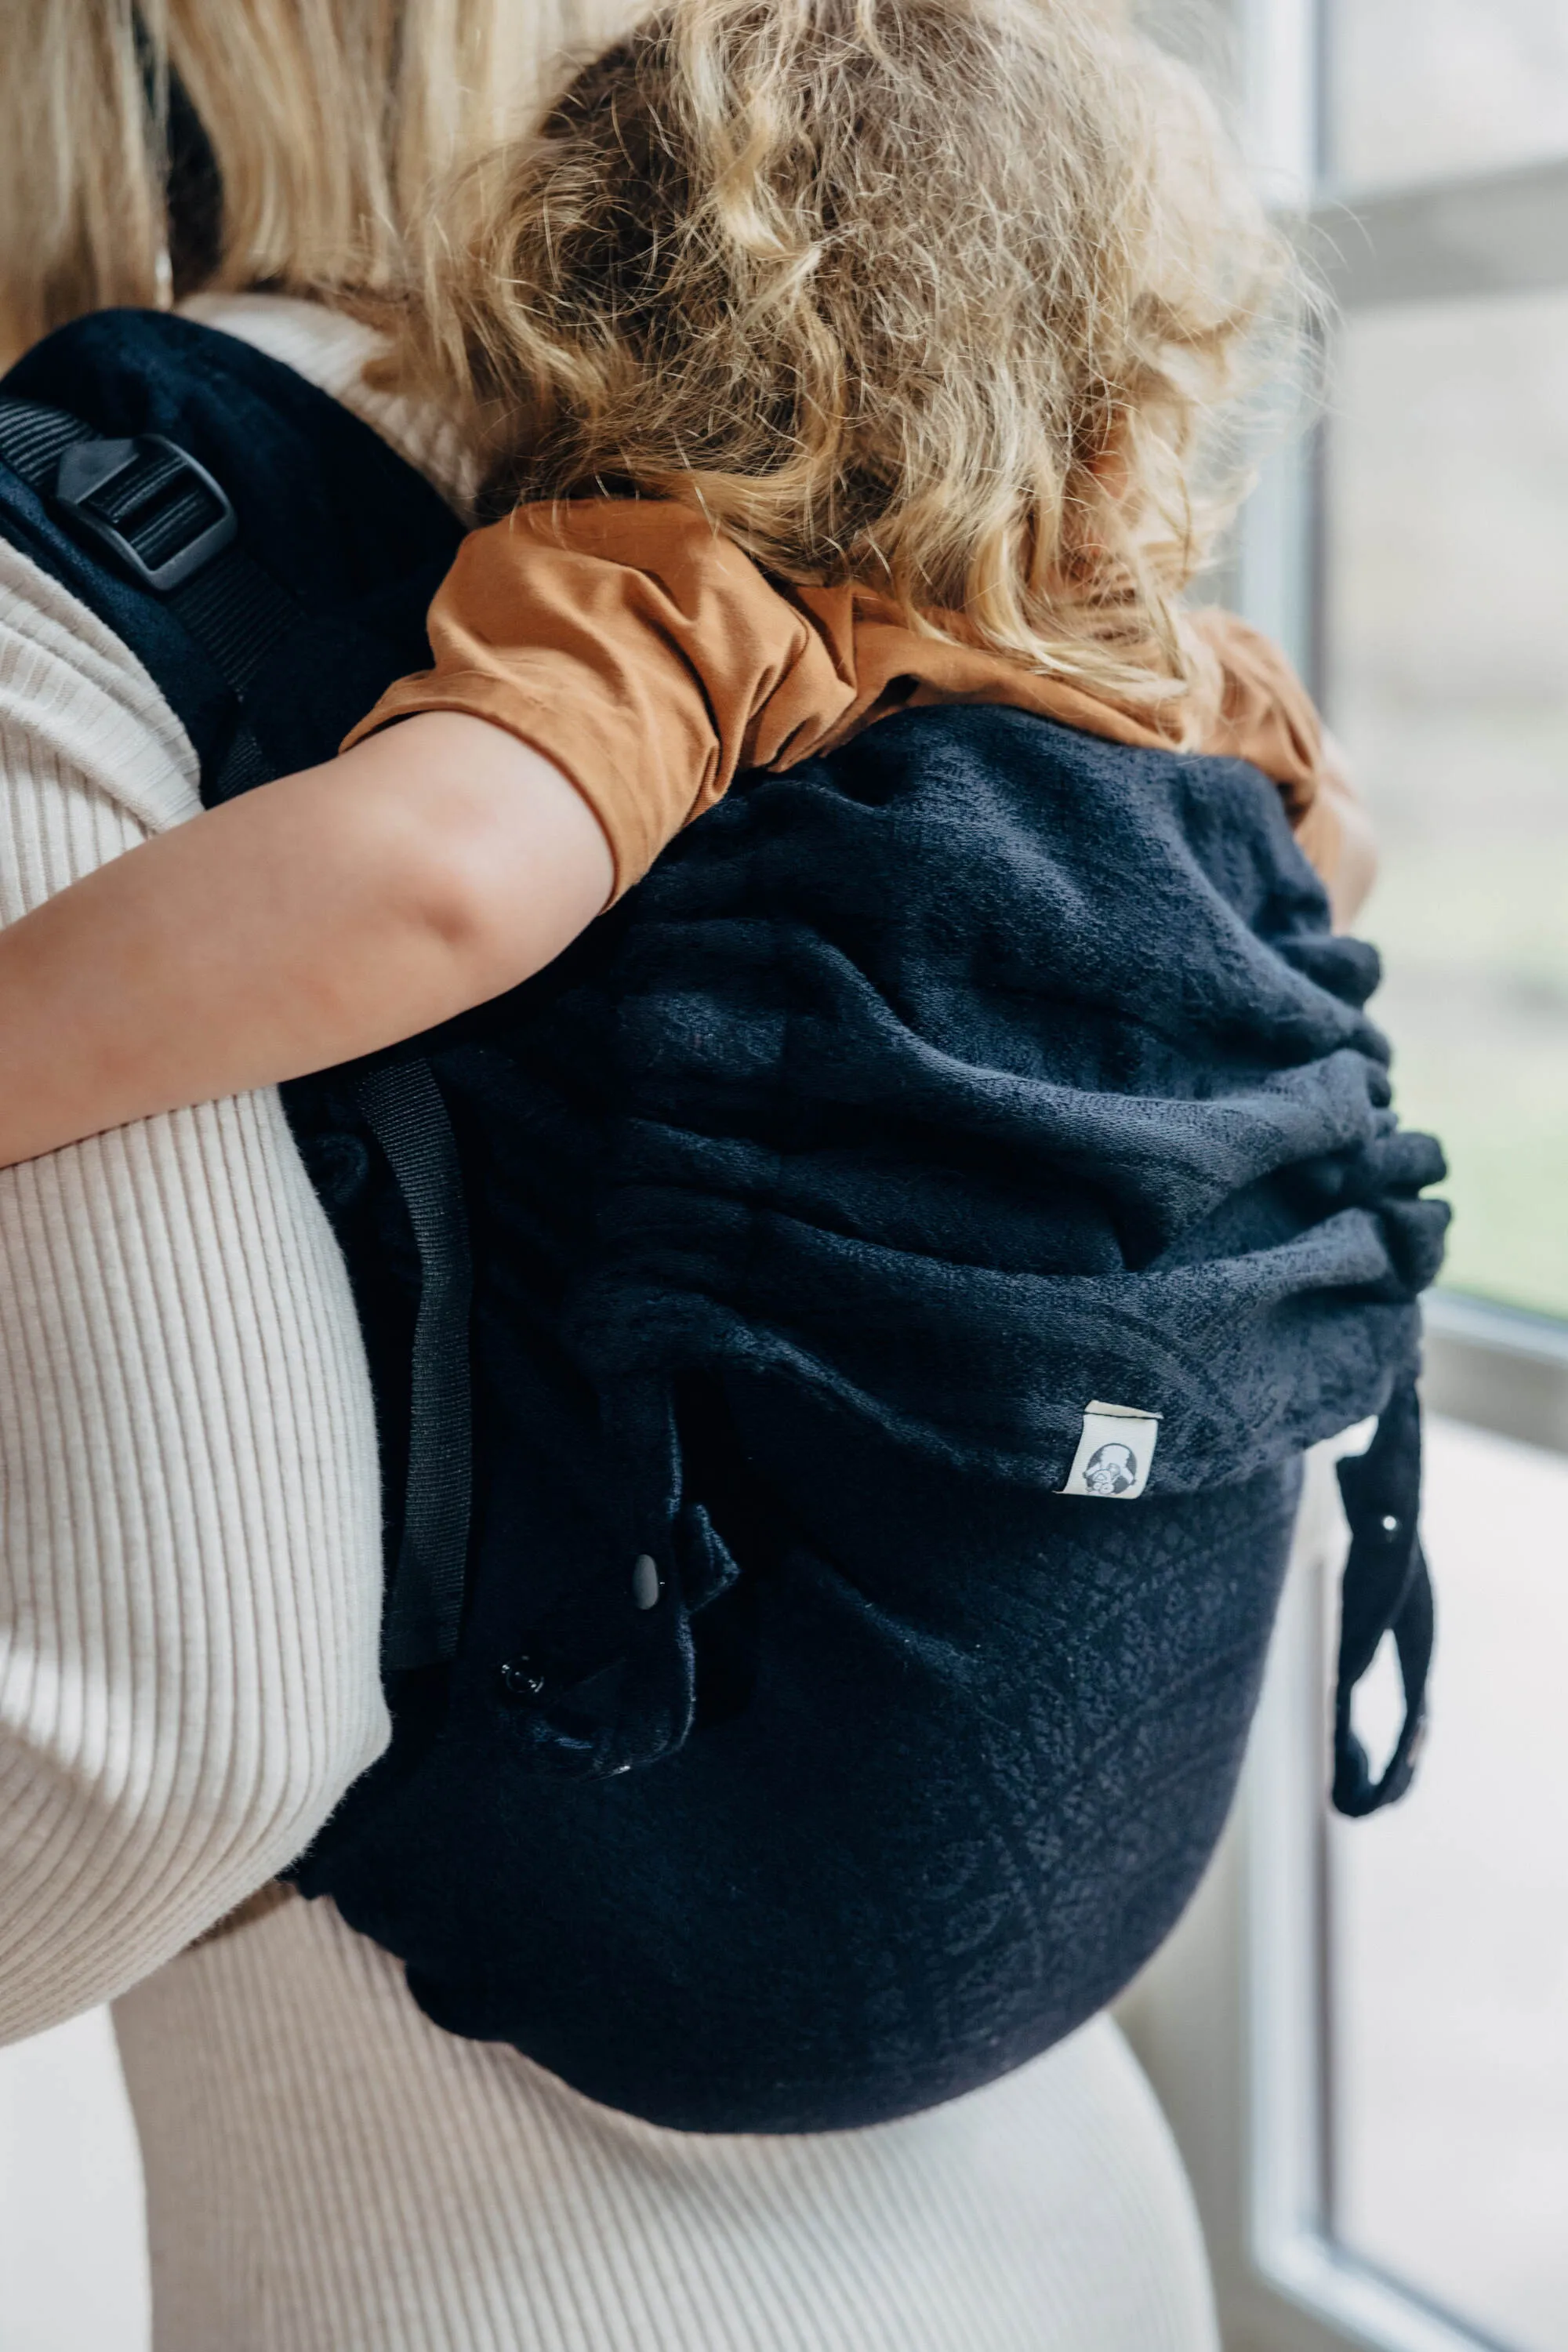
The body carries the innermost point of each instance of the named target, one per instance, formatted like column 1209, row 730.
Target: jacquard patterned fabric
column 922, row 1096
column 919, row 1097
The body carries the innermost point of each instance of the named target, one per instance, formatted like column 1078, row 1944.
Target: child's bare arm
column 317, row 917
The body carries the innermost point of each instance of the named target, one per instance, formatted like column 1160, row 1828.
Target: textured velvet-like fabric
column 918, row 1098
column 808, row 1757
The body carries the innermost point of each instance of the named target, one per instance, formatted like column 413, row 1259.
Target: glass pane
column 1446, row 645
column 1448, row 1919
column 1421, row 90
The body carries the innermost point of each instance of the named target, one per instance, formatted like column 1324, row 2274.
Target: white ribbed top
column 190, row 1568
column 189, row 1552
column 190, row 1582
column 329, row 2172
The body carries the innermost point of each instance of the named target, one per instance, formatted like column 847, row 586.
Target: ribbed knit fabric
column 190, row 1551
column 189, row 1586
column 190, row 1554
column 189, row 1558
column 329, row 2172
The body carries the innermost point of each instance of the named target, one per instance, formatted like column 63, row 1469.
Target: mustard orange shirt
column 652, row 661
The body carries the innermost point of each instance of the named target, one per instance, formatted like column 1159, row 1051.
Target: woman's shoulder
column 341, row 356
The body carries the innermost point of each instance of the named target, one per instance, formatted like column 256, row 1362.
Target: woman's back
column 326, row 2168
column 262, row 2033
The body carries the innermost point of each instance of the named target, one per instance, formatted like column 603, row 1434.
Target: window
column 1447, row 1950
column 1361, row 2030
column 1418, row 89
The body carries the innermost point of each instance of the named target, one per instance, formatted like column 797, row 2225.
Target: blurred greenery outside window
column 1444, row 646
column 1447, row 672
column 1442, row 601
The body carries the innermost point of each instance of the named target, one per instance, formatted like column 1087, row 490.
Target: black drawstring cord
column 1386, row 1589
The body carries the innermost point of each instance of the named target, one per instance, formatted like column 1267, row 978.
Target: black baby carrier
column 844, row 1336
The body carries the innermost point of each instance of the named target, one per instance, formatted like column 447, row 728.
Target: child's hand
column 317, row 917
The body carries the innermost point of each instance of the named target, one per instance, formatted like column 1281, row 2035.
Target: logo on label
column 1115, row 1452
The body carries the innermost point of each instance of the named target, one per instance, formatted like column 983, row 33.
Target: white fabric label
column 1115, row 1452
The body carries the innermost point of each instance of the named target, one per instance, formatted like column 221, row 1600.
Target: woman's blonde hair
column 325, row 123
column 935, row 295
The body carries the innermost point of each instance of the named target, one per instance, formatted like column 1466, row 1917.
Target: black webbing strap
column 151, row 512
column 1386, row 1589
column 402, row 1106
column 32, row 440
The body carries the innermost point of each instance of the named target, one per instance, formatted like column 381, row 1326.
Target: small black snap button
column 645, row 1580
column 520, row 1678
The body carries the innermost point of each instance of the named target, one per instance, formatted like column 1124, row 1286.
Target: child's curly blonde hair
column 933, row 296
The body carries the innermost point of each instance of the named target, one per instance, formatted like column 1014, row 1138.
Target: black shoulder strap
column 264, row 553
column 153, row 537
column 145, row 506
column 403, row 1107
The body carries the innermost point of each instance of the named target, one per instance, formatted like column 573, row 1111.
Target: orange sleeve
column 1336, row 834
column 1267, row 716
column 645, row 656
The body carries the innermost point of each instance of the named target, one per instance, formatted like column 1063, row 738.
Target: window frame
column 1232, row 2019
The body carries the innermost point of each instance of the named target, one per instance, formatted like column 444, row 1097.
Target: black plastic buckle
column 147, row 501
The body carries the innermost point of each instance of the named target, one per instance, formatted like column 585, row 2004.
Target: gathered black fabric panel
column 918, row 1098
column 807, row 1757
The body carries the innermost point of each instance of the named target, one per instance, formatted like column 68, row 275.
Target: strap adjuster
column 157, row 511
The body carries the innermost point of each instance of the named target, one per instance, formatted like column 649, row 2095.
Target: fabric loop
column 1386, row 1590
